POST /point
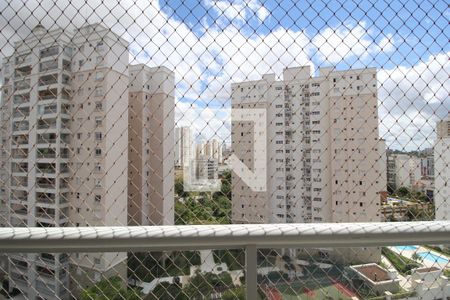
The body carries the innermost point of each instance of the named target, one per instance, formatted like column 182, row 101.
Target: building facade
column 325, row 161
column 66, row 124
column 442, row 170
column 405, row 170
column 151, row 146
column 183, row 147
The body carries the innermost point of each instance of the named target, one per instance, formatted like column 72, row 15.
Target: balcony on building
column 46, row 153
column 22, row 72
column 21, row 113
column 20, row 126
column 19, row 168
column 50, row 94
column 45, row 168
column 49, row 65
column 46, row 183
column 22, row 85
column 23, row 60
column 45, row 198
column 19, row 197
column 47, row 80
column 46, row 124
column 19, row 266
column 45, row 274
column 45, row 213
column 52, row 258
column 20, row 100
column 19, row 181
column 19, row 153
column 47, row 110
column 19, row 209
column 49, row 52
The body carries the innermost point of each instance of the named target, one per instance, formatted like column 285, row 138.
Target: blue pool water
column 433, row 258
column 410, row 248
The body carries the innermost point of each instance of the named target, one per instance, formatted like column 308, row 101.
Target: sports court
column 318, row 289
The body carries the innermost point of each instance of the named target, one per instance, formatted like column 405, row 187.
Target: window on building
column 98, row 121
column 98, row 136
column 99, row 76
column 98, row 183
column 99, row 105
column 98, row 91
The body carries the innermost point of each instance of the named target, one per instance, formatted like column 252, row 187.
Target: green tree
column 403, row 192
column 179, row 187
column 201, row 286
column 110, row 289
column 166, row 291
column 234, row 294
column 222, row 211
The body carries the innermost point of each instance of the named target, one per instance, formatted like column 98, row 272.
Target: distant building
column 64, row 106
column 442, row 170
column 151, row 144
column 403, row 170
column 325, row 160
column 183, row 147
column 206, row 168
column 427, row 166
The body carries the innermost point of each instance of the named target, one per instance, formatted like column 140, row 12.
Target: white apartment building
column 325, row 161
column 211, row 149
column 151, row 146
column 214, row 150
column 184, row 150
column 405, row 170
column 65, row 106
column 442, row 170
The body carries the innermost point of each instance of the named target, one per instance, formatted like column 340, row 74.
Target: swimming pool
column 409, row 248
column 433, row 258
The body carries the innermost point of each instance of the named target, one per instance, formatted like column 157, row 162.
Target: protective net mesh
column 131, row 113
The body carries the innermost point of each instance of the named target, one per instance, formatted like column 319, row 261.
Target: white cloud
column 412, row 99
column 238, row 10
column 348, row 40
column 206, row 64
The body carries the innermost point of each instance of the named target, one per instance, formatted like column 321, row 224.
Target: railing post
column 251, row 271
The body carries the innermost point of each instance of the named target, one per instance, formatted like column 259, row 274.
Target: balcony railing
column 196, row 237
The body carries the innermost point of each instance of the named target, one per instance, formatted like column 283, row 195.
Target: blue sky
column 417, row 35
column 422, row 26
column 211, row 43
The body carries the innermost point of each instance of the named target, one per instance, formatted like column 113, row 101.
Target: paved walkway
column 207, row 260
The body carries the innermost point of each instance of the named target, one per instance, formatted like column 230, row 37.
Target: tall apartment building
column 325, row 161
column 442, row 170
column 214, row 150
column 151, row 151
column 184, row 150
column 211, row 149
column 427, row 166
column 67, row 98
column 404, row 170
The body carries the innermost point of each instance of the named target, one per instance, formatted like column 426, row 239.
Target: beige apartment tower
column 325, row 161
column 442, row 171
column 184, row 147
column 151, row 146
column 65, row 137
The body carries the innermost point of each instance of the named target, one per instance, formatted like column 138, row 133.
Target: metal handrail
column 155, row 238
